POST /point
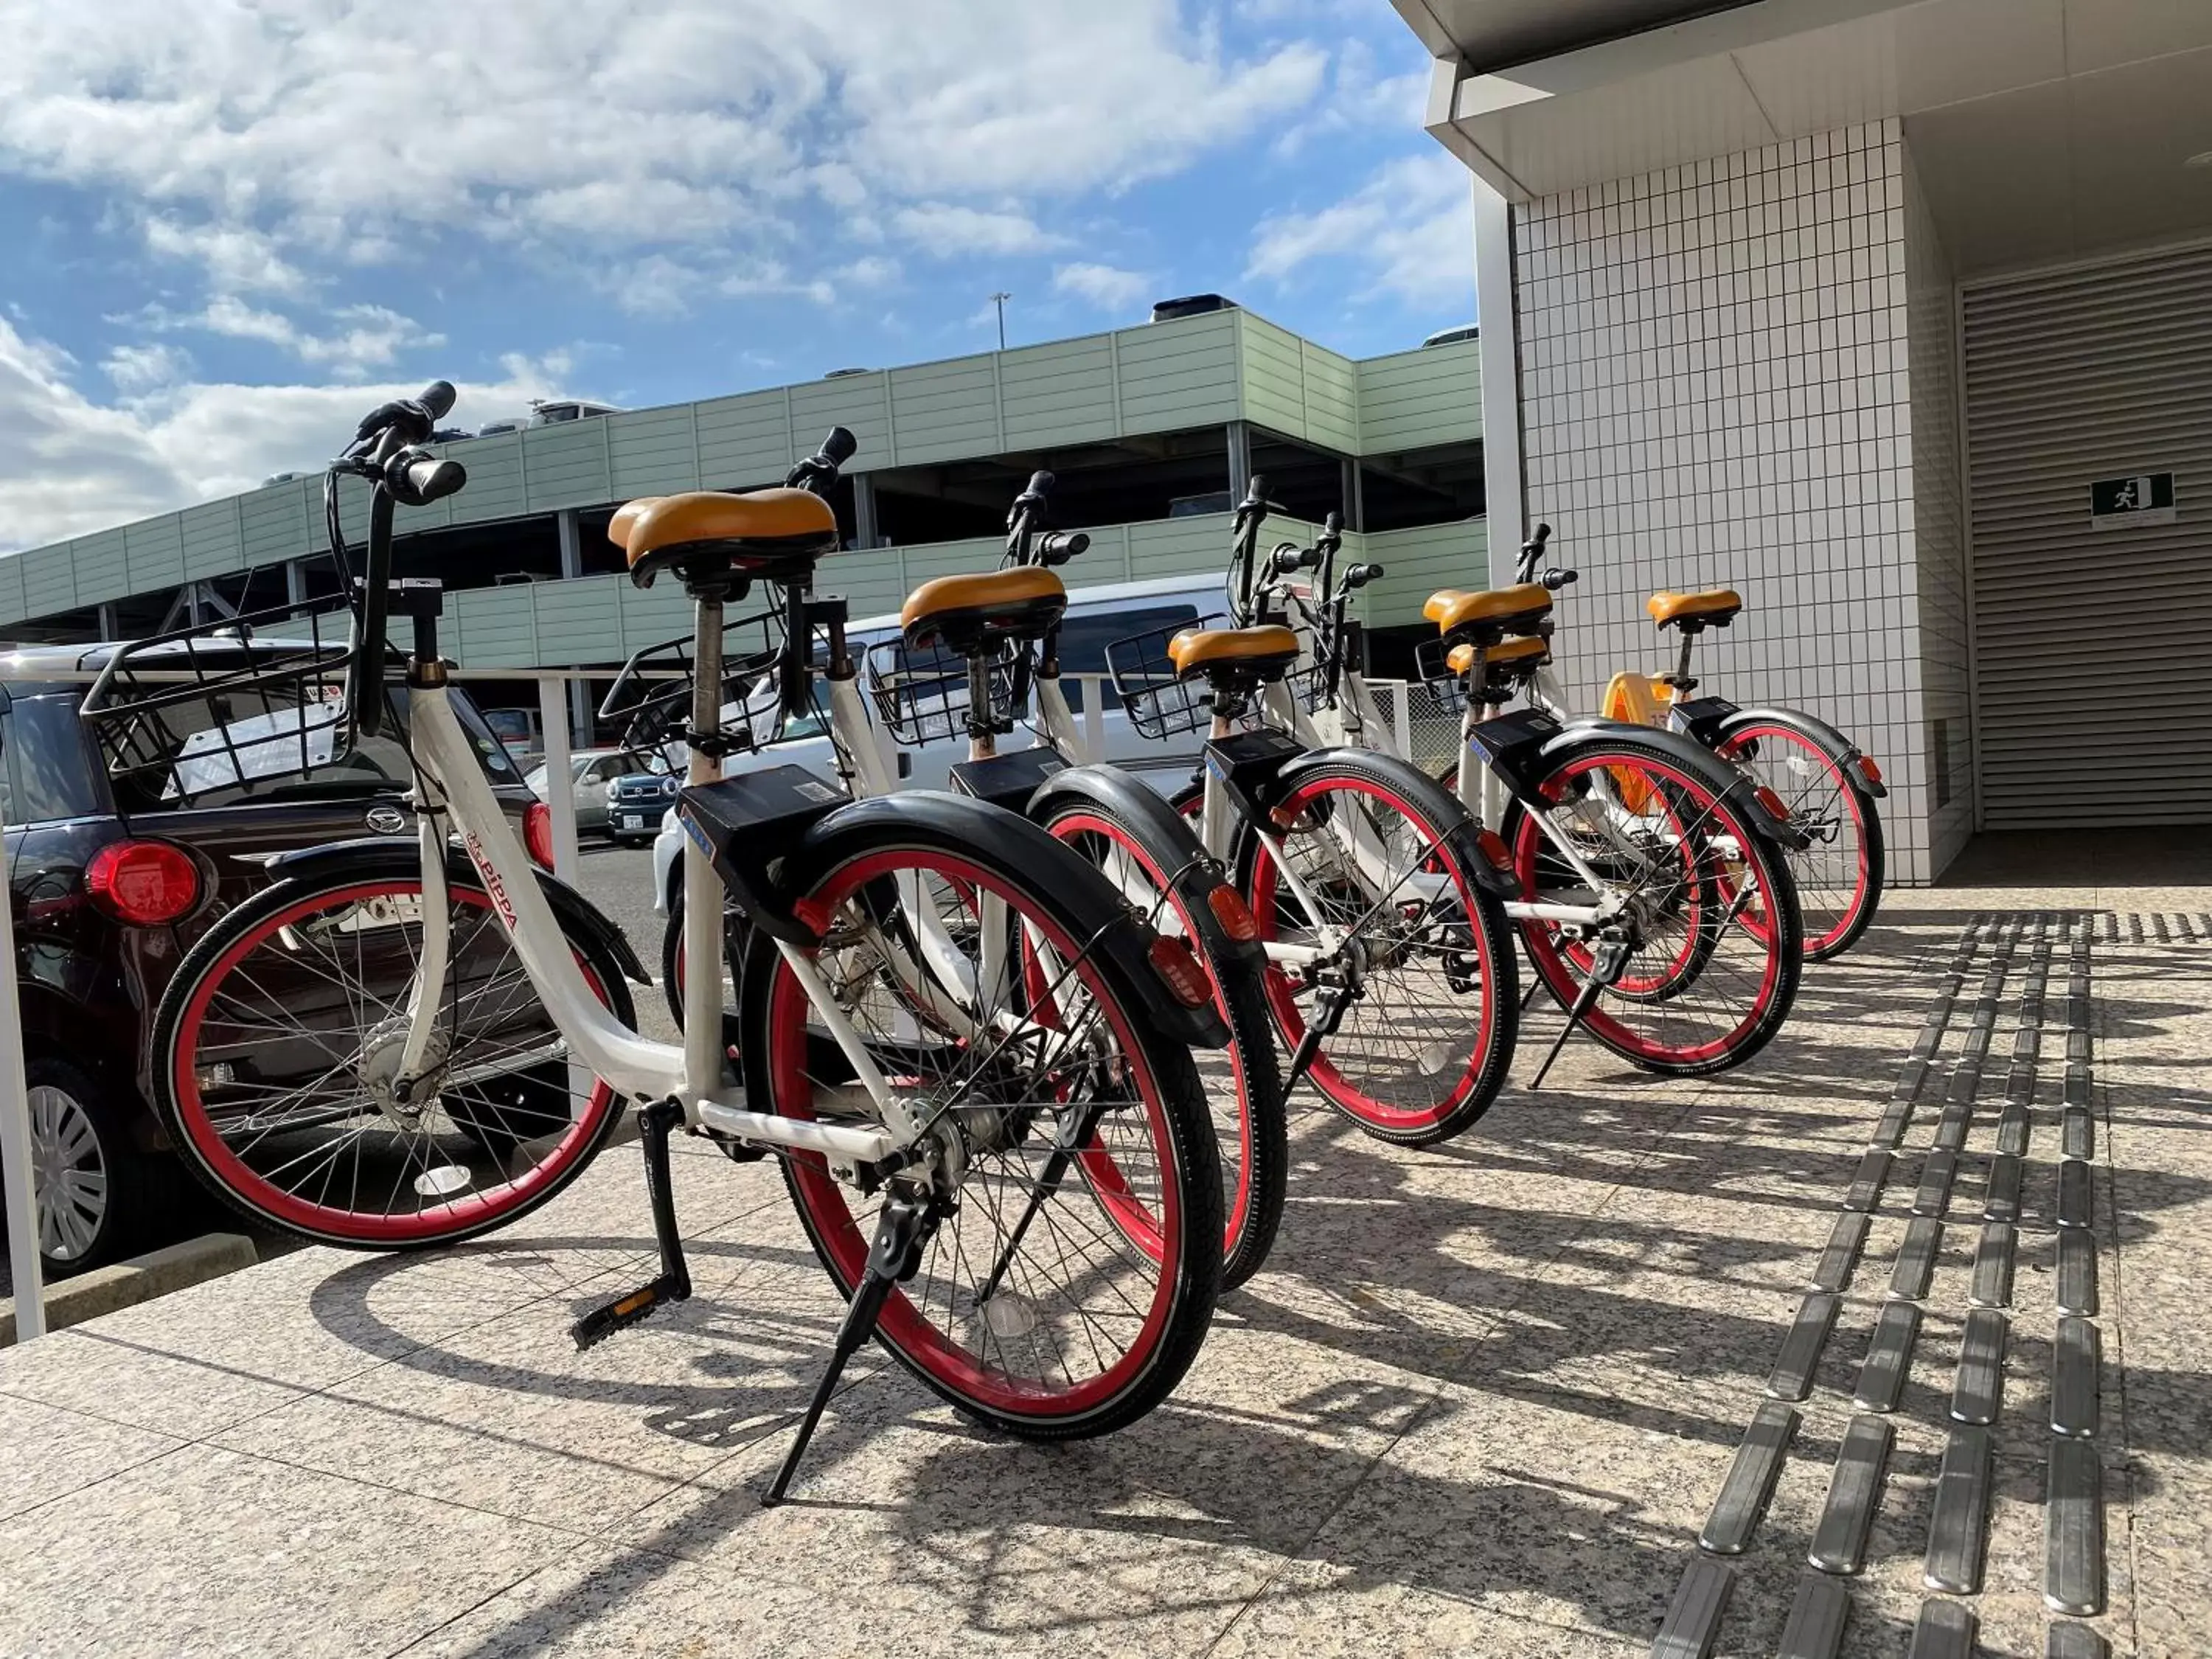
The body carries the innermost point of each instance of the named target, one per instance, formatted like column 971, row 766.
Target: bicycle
column 1829, row 784
column 975, row 653
column 1656, row 906
column 970, row 1058
column 1379, row 905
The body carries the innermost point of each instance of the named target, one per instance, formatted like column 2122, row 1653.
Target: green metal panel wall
column 745, row 440
column 653, row 452
column 155, row 552
column 1179, row 374
column 1060, row 393
column 1417, row 562
column 102, row 571
column 210, row 537
column 1159, row 377
column 942, row 411
column 1414, row 398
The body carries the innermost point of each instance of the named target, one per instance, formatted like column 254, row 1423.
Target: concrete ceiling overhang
column 2040, row 128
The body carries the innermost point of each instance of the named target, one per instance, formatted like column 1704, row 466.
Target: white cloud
column 1106, row 286
column 870, row 271
column 71, row 466
column 366, row 336
column 237, row 259
column 1409, row 229
column 266, row 141
column 949, row 231
column 137, row 369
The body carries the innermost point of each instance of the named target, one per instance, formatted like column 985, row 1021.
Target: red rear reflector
column 145, row 883
column 1494, row 849
column 1172, row 961
column 1231, row 911
column 1776, row 807
column 537, row 833
column 1869, row 769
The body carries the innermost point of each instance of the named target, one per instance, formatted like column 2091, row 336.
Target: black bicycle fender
column 929, row 817
column 1458, row 826
column 1195, row 874
column 1830, row 741
column 1686, row 754
column 386, row 855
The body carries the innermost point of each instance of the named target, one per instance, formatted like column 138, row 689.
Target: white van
column 1097, row 617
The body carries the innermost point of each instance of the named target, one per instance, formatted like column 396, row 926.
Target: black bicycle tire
column 274, row 899
column 1776, row 879
column 1252, row 1030
column 1444, row 809
column 1182, row 1109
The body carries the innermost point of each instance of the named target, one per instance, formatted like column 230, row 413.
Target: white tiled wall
column 1939, row 539
column 1716, row 391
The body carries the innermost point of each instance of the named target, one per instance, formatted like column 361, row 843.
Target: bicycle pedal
column 624, row 1312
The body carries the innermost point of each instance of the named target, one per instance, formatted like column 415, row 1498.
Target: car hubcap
column 70, row 1173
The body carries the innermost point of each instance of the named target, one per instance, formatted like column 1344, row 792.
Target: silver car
column 589, row 772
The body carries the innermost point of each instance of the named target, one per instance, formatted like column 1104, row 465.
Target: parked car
column 111, row 883
column 636, row 802
column 1096, row 617
column 520, row 731
column 592, row 774
column 557, row 411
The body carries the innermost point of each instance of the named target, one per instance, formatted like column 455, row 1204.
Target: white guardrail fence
column 1413, row 732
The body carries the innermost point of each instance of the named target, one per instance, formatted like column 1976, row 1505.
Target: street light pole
column 999, row 300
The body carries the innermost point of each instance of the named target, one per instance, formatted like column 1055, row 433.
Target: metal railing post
column 23, row 1264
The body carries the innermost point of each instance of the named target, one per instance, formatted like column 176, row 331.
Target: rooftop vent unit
column 1453, row 336
column 1191, row 305
column 846, row 374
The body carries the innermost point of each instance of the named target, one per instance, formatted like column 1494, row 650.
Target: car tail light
column 1172, row 961
column 1868, row 770
column 1231, row 912
column 145, row 883
column 1775, row 806
column 537, row 833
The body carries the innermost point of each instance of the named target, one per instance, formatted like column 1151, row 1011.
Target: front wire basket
column 921, row 692
column 246, row 708
column 1160, row 703
column 1432, row 669
column 650, row 702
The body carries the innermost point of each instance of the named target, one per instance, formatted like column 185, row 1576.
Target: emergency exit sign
column 2145, row 499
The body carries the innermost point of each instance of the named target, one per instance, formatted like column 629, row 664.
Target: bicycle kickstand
column 902, row 1232
column 1329, row 1013
column 1606, row 965
column 673, row 1282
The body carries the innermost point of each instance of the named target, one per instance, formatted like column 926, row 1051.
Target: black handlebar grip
column 839, row 446
column 1360, row 574
column 1535, row 542
column 1333, row 524
column 438, row 398
column 430, row 479
column 1061, row 545
column 1255, row 493
column 1041, row 483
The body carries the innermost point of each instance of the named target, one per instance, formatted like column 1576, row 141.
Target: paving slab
column 1483, row 1400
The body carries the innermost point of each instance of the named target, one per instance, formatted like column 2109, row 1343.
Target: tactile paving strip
column 2032, row 961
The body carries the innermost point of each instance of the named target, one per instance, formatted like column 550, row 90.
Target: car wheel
column 99, row 1195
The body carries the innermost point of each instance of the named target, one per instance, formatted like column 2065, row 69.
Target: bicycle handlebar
column 820, row 470
column 1059, row 546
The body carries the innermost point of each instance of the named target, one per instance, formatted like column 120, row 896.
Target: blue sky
column 228, row 224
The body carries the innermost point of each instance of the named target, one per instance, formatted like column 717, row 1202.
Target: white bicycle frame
column 456, row 799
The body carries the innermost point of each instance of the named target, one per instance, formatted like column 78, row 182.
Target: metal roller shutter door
column 2093, row 649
